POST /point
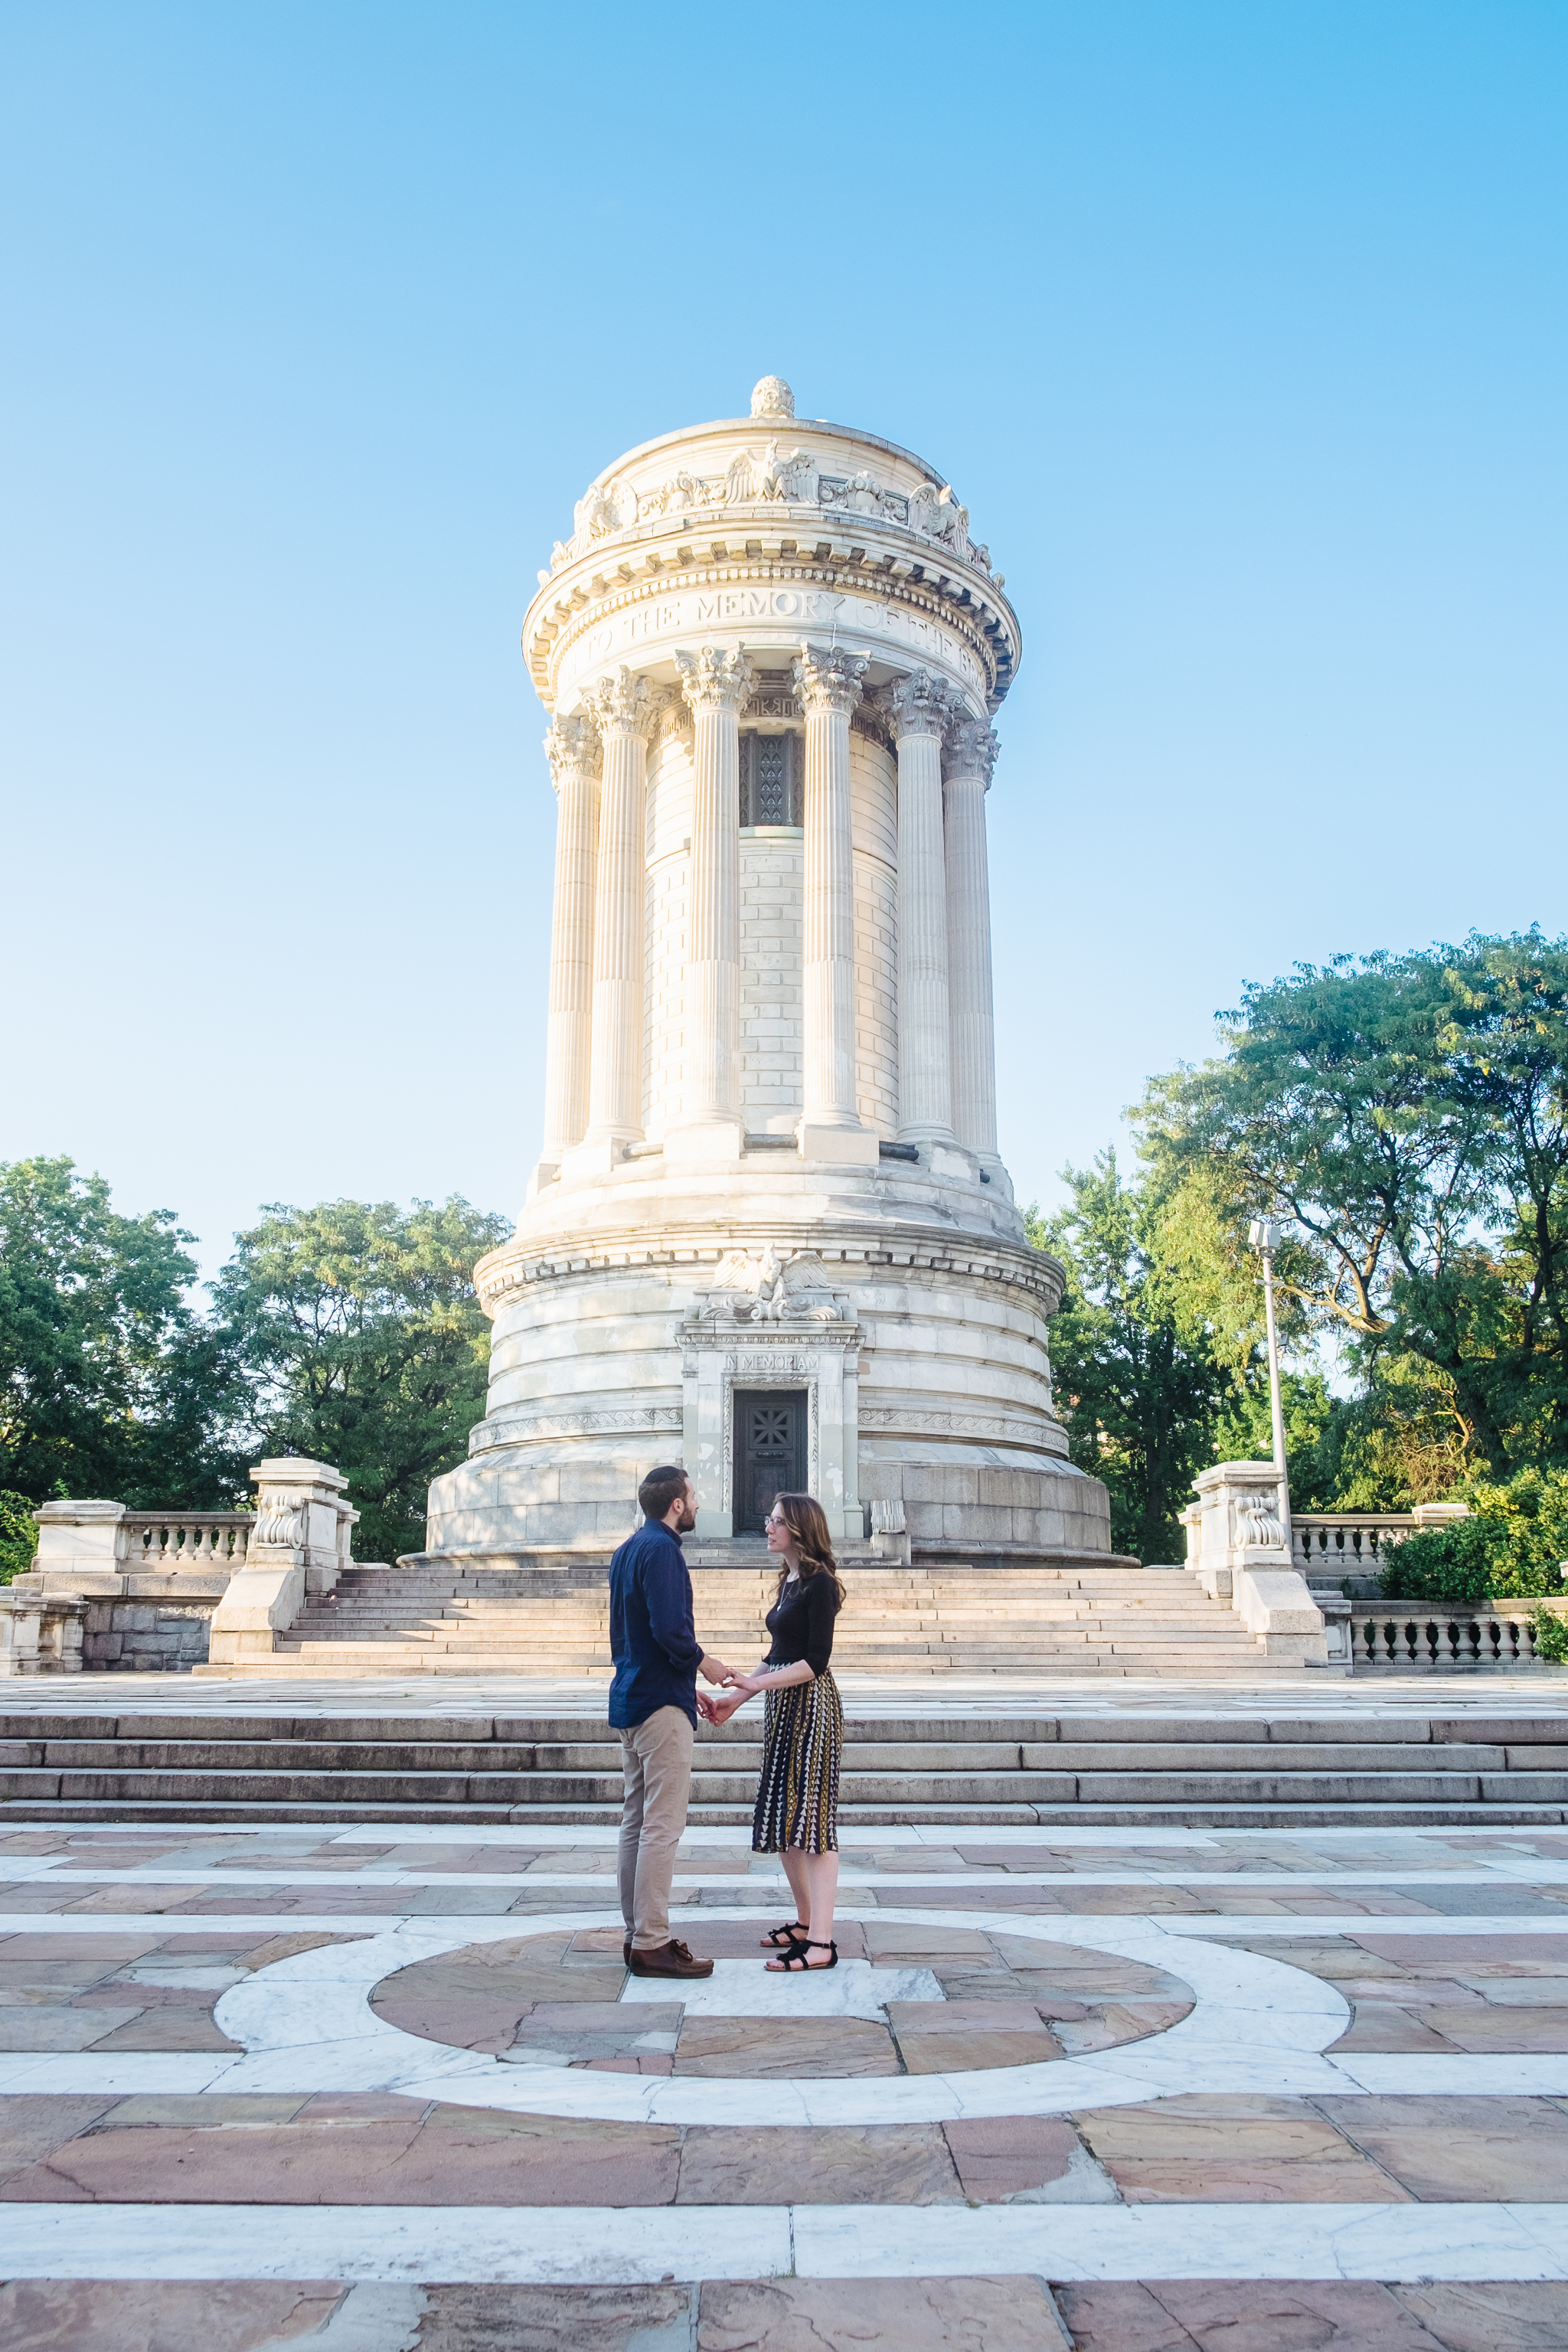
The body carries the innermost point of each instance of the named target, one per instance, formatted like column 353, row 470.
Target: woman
column 803, row 1732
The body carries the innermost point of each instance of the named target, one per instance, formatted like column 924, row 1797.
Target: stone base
column 582, row 1499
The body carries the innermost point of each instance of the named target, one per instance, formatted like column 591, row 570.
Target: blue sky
column 1239, row 328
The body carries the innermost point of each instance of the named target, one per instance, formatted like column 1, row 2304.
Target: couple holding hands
column 655, row 1703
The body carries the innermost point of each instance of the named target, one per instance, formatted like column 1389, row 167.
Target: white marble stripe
column 134, row 2073
column 635, row 2245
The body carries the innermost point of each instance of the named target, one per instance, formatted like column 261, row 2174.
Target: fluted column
column 828, row 684
column 921, row 706
column 716, row 681
column 971, row 1019
column 572, row 748
column 624, row 708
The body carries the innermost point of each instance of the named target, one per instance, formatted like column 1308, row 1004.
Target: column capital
column 974, row 750
column 921, row 705
column 828, row 678
column 716, row 677
column 622, row 703
column 572, row 743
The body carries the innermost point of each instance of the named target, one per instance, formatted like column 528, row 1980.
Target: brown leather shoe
column 671, row 1959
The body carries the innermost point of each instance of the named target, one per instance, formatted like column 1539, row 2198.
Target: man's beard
column 688, row 1519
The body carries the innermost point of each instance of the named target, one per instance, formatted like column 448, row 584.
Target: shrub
column 1511, row 1547
column 18, row 1534
column 1551, row 1633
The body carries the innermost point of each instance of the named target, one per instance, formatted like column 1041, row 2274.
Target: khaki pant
column 656, row 1757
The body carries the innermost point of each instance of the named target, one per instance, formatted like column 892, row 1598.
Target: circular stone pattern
column 991, row 1998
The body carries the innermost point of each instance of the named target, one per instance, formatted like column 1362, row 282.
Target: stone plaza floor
column 389, row 2089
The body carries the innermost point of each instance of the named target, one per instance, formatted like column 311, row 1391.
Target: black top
column 801, row 1622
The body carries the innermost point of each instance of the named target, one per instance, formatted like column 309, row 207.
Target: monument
column 768, row 1233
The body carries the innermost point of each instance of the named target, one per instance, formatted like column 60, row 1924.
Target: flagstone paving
column 144, row 2211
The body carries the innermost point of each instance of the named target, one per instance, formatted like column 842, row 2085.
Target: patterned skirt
column 803, row 1747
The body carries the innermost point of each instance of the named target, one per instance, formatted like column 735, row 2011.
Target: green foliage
column 109, row 1383
column 18, row 1534
column 1511, row 1546
column 1551, row 1631
column 366, row 1347
column 1407, row 1118
column 1138, row 1391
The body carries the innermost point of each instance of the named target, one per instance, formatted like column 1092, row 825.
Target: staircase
column 426, row 1616
column 1218, row 1770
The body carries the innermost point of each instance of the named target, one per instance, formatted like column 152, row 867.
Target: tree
column 110, row 1384
column 1139, row 1393
column 366, row 1345
column 1407, row 1117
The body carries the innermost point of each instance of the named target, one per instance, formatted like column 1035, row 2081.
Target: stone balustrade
column 1412, row 1637
column 1352, row 1543
column 115, row 1590
column 192, row 1543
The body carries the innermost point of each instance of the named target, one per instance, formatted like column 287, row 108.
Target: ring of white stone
column 1257, row 2025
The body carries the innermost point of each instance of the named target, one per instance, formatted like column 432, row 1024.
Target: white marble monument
column 770, row 1234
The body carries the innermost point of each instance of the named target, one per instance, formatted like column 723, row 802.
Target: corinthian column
column 829, row 684
column 971, row 1023
column 572, row 748
column 922, row 707
column 624, row 708
column 716, row 682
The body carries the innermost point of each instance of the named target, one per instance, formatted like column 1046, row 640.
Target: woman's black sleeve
column 822, row 1607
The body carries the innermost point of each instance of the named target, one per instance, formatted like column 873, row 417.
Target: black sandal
column 795, row 1958
column 785, row 1939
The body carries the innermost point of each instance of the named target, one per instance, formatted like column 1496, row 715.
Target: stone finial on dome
column 772, row 397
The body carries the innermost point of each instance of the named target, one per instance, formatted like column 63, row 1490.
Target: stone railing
column 112, row 1589
column 1352, row 1543
column 1421, row 1637
column 190, row 1542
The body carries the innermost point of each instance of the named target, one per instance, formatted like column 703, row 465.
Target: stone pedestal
column 41, row 1632
column 1240, row 1552
column 299, row 1547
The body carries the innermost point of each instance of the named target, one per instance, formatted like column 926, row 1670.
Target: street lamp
column 1265, row 1237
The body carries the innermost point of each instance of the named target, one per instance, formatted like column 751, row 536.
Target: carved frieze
column 766, row 1286
column 778, row 476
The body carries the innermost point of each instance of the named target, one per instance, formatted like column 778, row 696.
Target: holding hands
column 741, row 1689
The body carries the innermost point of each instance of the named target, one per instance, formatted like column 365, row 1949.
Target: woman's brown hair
column 806, row 1520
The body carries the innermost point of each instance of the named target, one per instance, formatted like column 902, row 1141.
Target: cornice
column 520, row 1265
column 609, row 592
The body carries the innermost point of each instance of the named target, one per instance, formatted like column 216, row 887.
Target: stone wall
column 159, row 1637
column 773, row 878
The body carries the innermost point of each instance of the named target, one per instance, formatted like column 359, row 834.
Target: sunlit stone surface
column 772, row 652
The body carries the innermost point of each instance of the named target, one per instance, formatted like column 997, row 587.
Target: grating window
column 769, row 779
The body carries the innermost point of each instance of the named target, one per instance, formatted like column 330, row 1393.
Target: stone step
column 602, row 1816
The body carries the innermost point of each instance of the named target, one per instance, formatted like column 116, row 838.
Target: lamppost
column 1265, row 1238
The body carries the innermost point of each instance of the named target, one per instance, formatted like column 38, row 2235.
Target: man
column 653, row 1705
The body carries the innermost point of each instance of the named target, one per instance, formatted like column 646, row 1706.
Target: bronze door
column 770, row 1452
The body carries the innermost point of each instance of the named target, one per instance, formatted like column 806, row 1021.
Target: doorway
column 770, row 1452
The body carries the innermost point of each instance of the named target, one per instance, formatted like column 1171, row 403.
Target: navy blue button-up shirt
column 652, row 1638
